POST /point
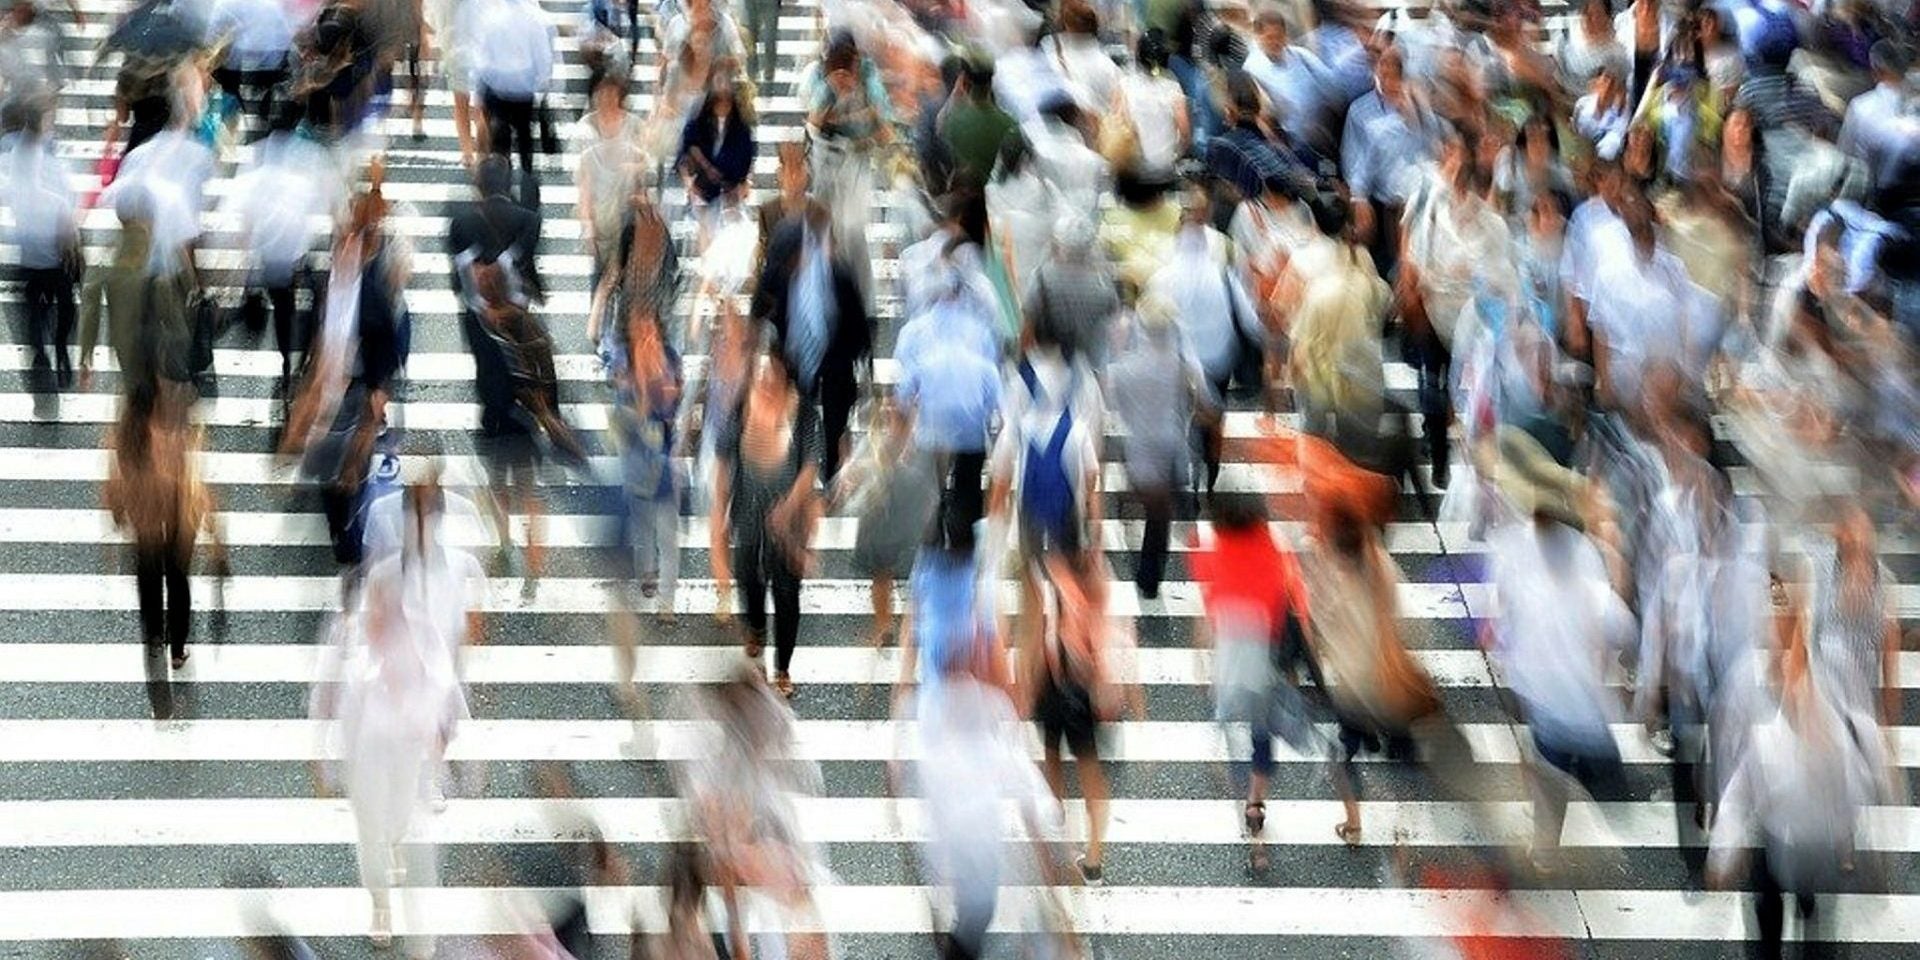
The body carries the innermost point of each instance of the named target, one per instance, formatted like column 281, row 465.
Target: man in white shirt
column 512, row 68
column 1873, row 127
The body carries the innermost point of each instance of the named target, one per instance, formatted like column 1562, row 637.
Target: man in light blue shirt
column 1382, row 156
column 1297, row 84
column 38, row 192
column 949, row 391
column 512, row 67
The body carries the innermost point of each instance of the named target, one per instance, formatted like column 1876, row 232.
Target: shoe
column 436, row 799
column 382, row 933
column 1147, row 592
column 649, row 588
column 783, row 685
column 1662, row 742
column 1256, row 817
column 754, row 647
column 1090, row 873
column 179, row 659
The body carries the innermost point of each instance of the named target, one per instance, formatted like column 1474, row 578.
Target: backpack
column 1048, row 500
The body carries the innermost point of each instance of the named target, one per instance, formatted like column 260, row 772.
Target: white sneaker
column 382, row 933
column 436, row 799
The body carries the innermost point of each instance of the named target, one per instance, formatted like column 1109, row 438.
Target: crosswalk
column 175, row 838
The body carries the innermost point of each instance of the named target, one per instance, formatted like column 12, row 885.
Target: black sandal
column 1256, row 817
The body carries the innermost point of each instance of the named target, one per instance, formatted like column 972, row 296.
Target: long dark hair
column 133, row 435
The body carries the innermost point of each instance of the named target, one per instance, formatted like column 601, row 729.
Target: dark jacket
column 490, row 227
column 732, row 157
column 852, row 338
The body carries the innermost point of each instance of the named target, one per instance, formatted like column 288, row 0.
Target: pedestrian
column 850, row 118
column 1071, row 691
column 947, row 394
column 891, row 489
column 743, row 799
column 1560, row 614
column 46, row 231
column 1157, row 391
column 646, row 411
column 1793, row 805
column 764, row 509
column 610, row 167
column 1045, row 468
column 1256, row 606
column 277, row 198
column 513, row 56
column 809, row 294
column 716, row 151
column 146, row 312
column 396, row 703
column 259, row 38
column 155, row 493
column 450, row 39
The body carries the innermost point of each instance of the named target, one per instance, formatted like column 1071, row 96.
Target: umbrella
column 156, row 31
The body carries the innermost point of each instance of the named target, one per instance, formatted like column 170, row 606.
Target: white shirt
column 513, row 48
column 1558, row 619
column 1152, row 105
column 1643, row 312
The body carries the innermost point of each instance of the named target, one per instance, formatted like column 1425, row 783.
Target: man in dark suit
column 810, row 297
column 493, row 224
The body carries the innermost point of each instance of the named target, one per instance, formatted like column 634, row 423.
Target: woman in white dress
column 397, row 700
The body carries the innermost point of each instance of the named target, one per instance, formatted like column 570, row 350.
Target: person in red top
column 1256, row 606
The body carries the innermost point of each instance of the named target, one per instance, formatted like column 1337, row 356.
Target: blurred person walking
column 155, row 493
column 741, row 797
column 1256, row 608
column 46, row 232
column 1157, row 390
column 396, row 701
column 891, row 488
column 513, row 56
column 765, row 507
column 809, row 294
column 1561, row 614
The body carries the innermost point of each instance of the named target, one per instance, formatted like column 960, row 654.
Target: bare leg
column 882, row 609
column 465, row 122
column 1093, row 785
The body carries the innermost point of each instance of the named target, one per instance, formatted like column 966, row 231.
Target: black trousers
column 166, row 598
column 287, row 334
column 50, row 309
column 839, row 391
column 339, row 507
column 510, row 123
column 756, row 580
column 1157, row 504
column 964, row 500
column 1435, row 363
column 1770, row 912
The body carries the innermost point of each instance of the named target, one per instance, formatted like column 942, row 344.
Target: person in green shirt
column 974, row 127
